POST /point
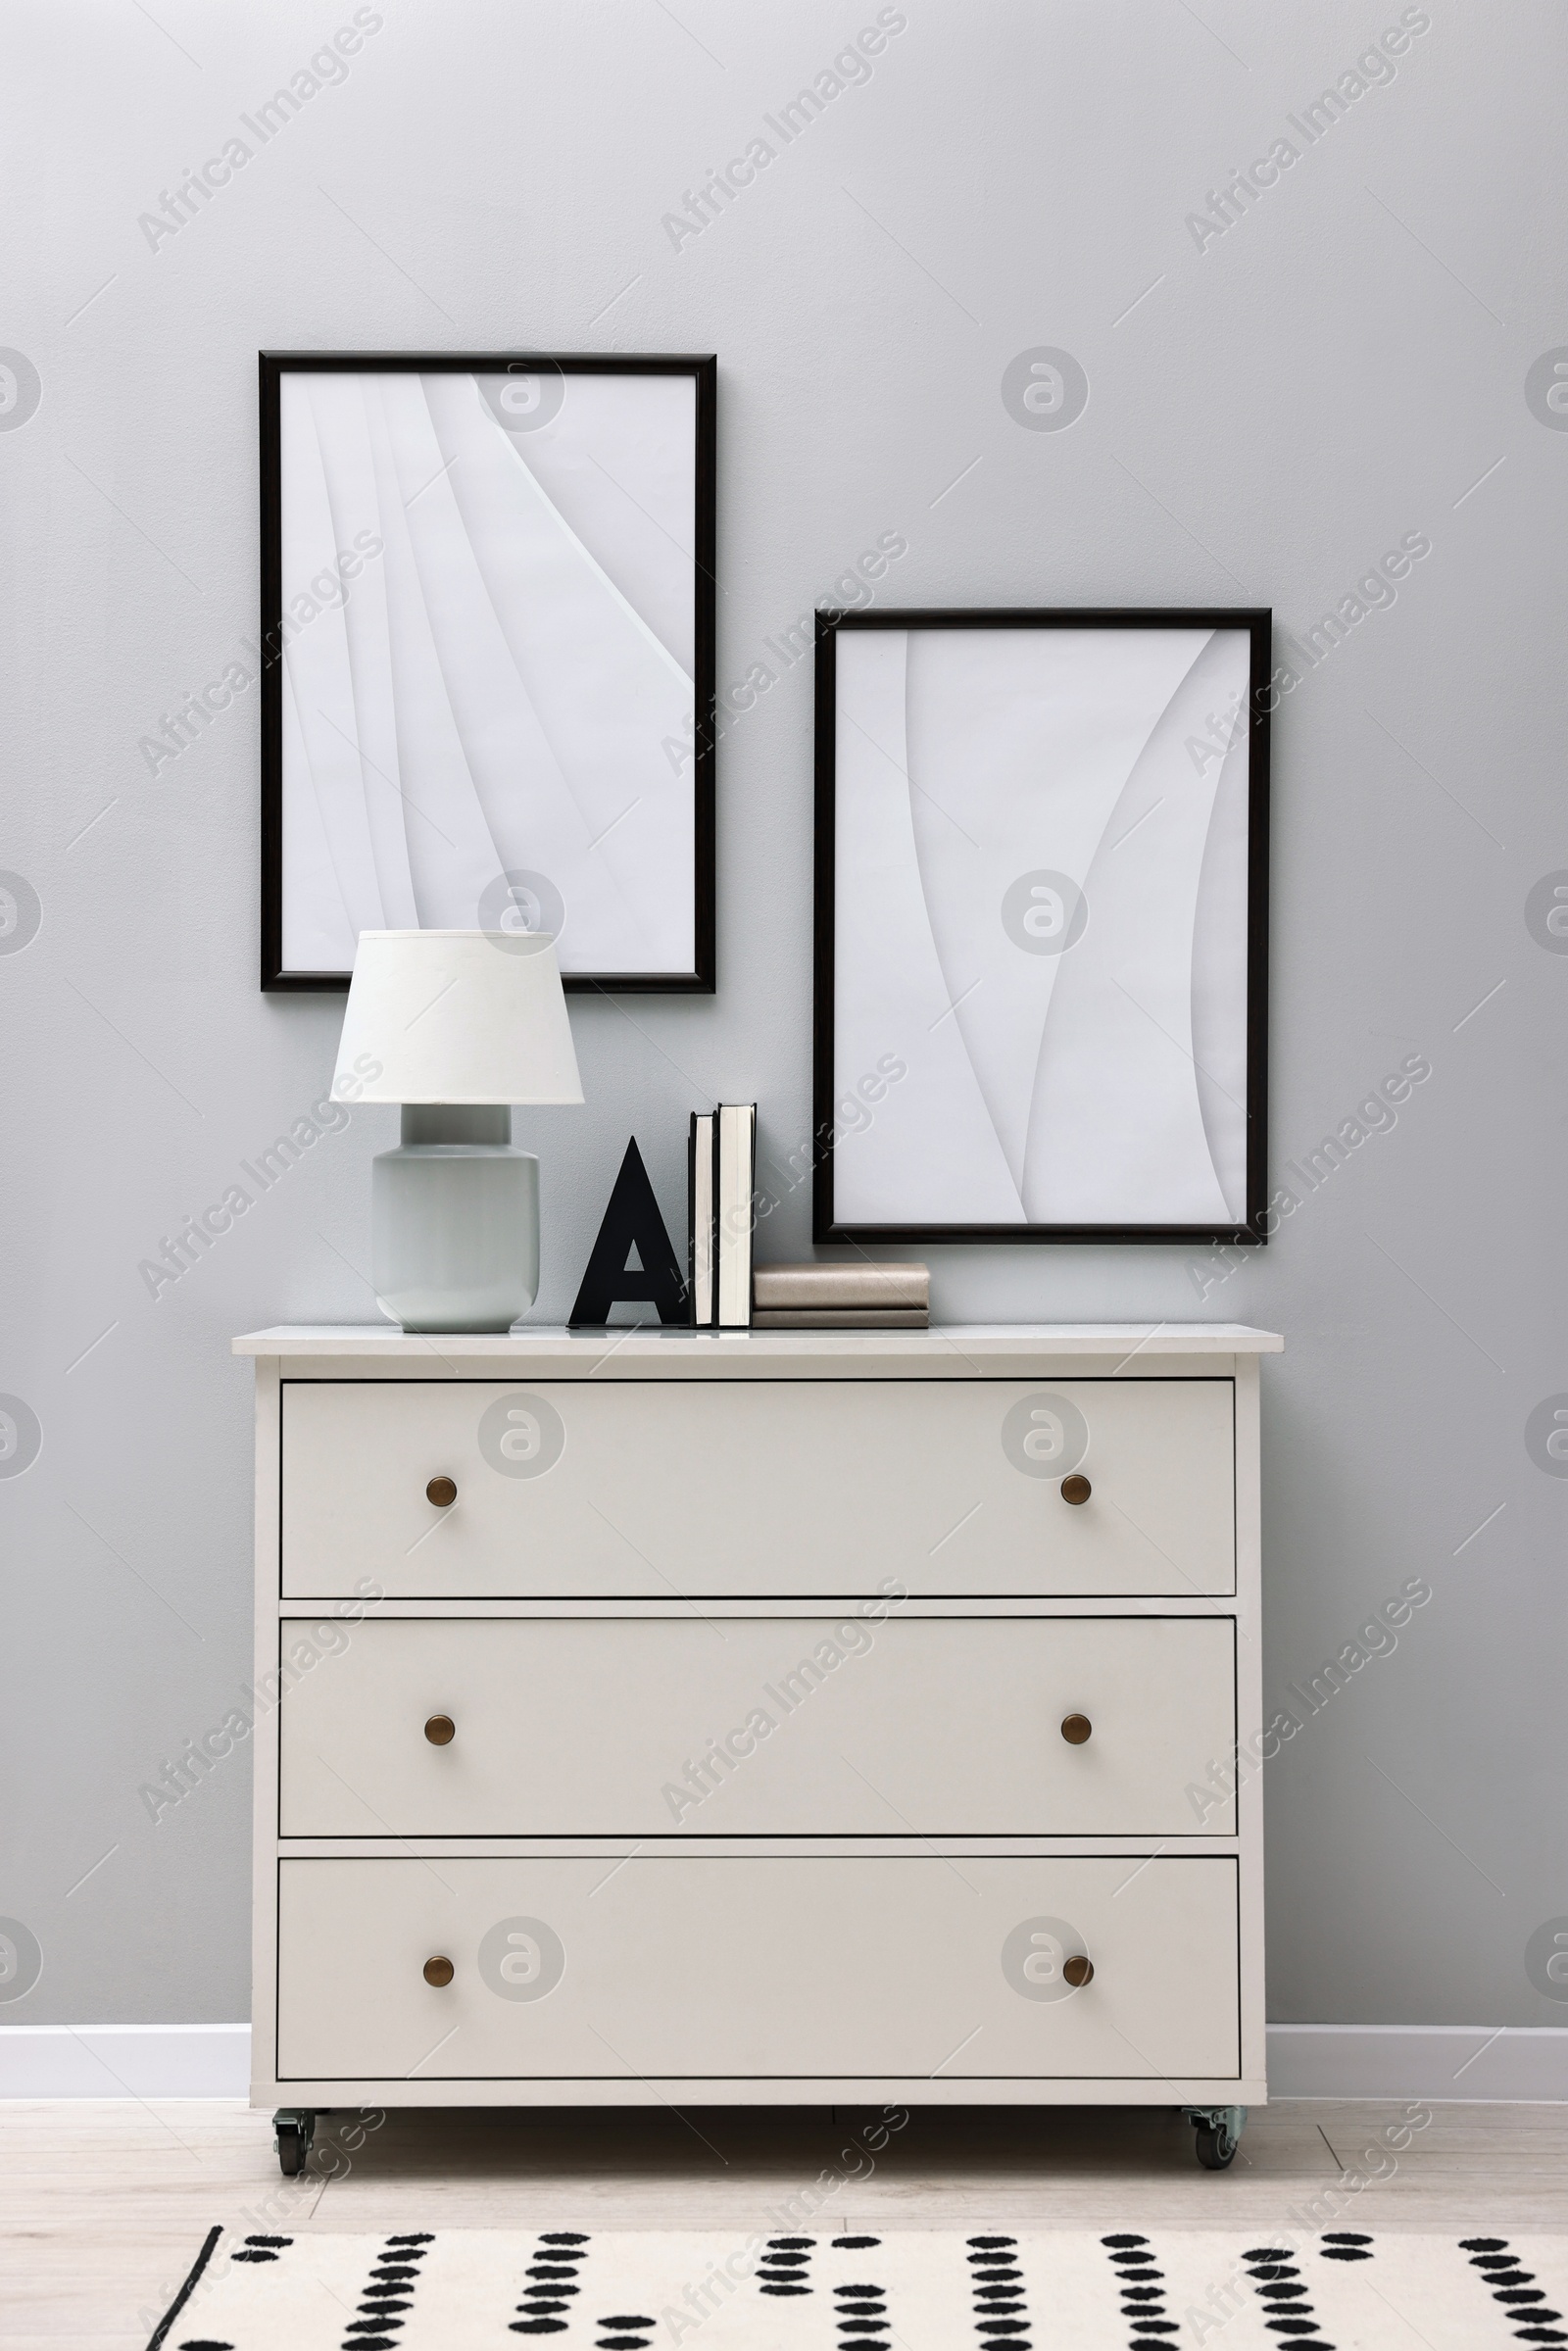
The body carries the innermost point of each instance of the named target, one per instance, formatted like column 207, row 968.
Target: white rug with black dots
column 581, row 2290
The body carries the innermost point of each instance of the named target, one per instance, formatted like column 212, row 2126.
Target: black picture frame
column 703, row 369
column 1257, row 622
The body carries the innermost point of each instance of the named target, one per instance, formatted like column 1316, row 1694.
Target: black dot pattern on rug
column 854, row 2244
column 387, row 2293
column 784, row 2266
column 261, row 2248
column 1279, row 2286
column 1514, row 2290
column 1143, row 2289
column 995, row 2281
column 551, row 2273
column 1344, row 2244
column 619, row 2338
column 860, row 2313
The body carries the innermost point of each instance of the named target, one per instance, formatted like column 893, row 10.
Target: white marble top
column 649, row 1342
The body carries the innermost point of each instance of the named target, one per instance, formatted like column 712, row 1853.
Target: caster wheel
column 1219, row 2134
column 292, row 2134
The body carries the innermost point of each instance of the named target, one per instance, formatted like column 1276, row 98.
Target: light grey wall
column 1269, row 415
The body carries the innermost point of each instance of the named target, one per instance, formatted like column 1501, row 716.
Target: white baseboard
column 1304, row 2061
column 125, row 2061
column 1434, row 2062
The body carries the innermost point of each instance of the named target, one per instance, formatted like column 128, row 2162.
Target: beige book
column 840, row 1318
column 851, row 1284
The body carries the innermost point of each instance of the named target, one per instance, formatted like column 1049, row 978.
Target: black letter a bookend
column 632, row 1219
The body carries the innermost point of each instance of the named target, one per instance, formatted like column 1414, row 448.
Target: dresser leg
column 1219, row 2134
column 293, row 2129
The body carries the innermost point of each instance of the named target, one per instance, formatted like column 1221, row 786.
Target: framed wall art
column 1041, row 925
column 487, row 630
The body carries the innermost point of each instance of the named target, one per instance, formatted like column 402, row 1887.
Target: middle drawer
column 760, row 1727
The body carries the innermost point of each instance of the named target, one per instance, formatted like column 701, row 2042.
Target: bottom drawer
column 692, row 1968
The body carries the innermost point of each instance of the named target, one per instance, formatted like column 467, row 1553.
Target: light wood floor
column 103, row 2206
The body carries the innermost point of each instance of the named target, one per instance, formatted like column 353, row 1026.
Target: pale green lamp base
column 455, row 1221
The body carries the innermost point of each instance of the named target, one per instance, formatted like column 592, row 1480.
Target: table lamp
column 456, row 1026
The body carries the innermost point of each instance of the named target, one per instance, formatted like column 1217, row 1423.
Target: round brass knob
column 443, row 1491
column 441, row 1730
column 440, row 1971
column 1077, row 1971
column 1075, row 1489
column 1075, row 1729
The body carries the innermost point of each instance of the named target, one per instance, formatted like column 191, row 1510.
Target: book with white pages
column 736, row 1162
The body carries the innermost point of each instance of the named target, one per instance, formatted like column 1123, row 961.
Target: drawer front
column 809, row 1488
column 751, row 1727
column 737, row 1969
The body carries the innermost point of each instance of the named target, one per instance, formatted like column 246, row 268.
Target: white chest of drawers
column 755, row 1717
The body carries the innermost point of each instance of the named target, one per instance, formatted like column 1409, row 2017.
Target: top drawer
column 764, row 1489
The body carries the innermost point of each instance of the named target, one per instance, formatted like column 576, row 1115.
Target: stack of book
column 842, row 1297
column 722, row 1181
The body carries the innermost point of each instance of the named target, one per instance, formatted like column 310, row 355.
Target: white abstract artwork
column 1040, row 914
column 490, row 620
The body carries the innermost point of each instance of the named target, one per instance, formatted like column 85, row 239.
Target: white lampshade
column 456, row 1016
